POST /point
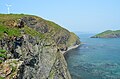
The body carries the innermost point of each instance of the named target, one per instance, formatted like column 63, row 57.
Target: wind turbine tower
column 8, row 8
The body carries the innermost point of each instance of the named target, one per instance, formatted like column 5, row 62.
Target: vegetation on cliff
column 35, row 26
column 30, row 47
column 108, row 34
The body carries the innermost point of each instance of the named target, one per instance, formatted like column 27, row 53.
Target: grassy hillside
column 8, row 22
column 10, row 25
column 108, row 34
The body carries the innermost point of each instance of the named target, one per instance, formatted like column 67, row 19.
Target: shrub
column 3, row 55
column 2, row 51
column 2, row 77
column 1, row 61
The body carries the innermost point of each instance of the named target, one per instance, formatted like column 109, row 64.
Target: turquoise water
column 97, row 58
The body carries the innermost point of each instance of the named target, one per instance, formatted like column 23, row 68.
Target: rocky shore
column 70, row 48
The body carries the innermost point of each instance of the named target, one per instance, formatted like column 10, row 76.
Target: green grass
column 13, row 68
column 54, row 25
column 10, row 31
column 104, row 33
column 72, row 39
column 2, row 51
column 14, row 31
column 6, row 17
column 15, row 62
column 108, row 32
column 32, row 32
column 55, row 30
column 2, row 77
column 3, row 55
column 117, row 32
column 51, row 75
column 1, row 61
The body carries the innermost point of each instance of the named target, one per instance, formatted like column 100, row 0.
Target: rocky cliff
column 108, row 34
column 30, row 48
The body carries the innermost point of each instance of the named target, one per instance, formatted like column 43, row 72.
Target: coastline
column 70, row 48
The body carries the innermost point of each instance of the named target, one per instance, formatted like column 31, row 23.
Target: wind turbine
column 8, row 8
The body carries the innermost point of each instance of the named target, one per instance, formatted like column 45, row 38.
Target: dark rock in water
column 34, row 49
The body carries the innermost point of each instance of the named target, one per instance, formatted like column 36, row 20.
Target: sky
column 89, row 16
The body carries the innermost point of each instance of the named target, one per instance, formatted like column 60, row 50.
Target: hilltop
column 108, row 34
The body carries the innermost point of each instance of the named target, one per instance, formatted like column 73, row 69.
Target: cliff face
column 30, row 47
column 108, row 34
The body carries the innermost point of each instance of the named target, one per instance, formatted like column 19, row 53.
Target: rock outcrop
column 30, row 48
column 108, row 34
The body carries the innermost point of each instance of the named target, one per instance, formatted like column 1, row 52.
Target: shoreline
column 70, row 48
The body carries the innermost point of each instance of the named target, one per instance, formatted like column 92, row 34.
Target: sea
column 95, row 58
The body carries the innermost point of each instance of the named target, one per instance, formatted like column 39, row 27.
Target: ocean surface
column 96, row 58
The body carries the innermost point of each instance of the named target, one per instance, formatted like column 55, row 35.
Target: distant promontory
column 108, row 34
